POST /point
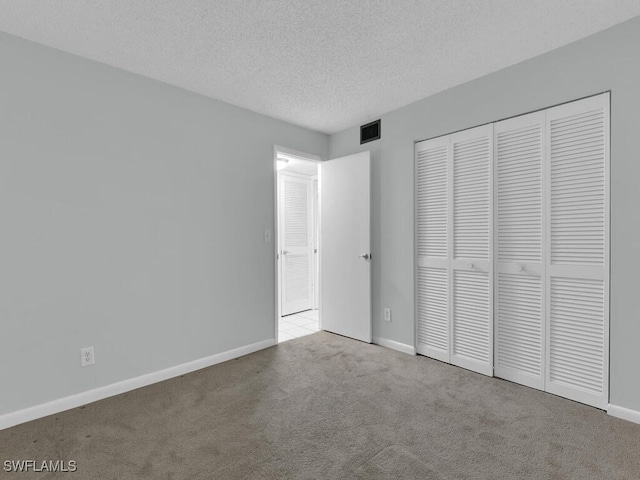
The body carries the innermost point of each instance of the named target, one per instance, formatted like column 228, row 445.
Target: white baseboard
column 66, row 403
column 624, row 413
column 401, row 347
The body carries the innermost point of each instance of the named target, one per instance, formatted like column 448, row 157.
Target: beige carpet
column 324, row 406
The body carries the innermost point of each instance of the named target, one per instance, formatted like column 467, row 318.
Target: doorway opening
column 297, row 238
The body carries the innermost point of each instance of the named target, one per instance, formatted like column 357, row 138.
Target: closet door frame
column 545, row 270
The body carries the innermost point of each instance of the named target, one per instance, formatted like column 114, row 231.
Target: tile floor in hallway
column 298, row 325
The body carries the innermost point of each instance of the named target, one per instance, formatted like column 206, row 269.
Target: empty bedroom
column 308, row 240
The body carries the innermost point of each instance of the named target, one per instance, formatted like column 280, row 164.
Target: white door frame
column 308, row 157
column 316, row 241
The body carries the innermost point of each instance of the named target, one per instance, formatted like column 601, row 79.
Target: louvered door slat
column 584, row 138
column 577, row 334
column 433, row 312
column 432, row 229
column 472, row 197
column 471, row 306
column 431, row 166
column 519, row 327
column 295, row 212
column 297, row 272
column 578, row 243
column 472, row 263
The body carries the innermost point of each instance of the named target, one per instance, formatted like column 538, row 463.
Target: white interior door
column 345, row 246
column 432, row 167
column 578, row 245
column 519, row 246
column 316, row 233
column 296, row 243
column 471, row 247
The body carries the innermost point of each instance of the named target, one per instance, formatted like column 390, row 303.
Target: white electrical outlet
column 387, row 314
column 87, row 357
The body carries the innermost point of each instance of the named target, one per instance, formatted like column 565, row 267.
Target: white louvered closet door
column 432, row 184
column 519, row 248
column 297, row 243
column 471, row 245
column 578, row 245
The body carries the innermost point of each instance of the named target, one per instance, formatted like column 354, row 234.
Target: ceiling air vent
column 370, row 132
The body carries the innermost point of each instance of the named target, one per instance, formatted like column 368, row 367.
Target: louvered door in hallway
column 296, row 255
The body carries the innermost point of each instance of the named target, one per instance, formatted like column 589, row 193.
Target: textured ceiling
column 325, row 65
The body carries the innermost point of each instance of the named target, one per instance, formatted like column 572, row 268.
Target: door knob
column 519, row 268
column 470, row 265
column 366, row 256
column 285, row 252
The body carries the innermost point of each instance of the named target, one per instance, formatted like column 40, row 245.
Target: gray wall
column 609, row 60
column 131, row 219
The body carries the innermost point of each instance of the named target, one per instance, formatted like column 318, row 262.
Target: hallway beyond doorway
column 298, row 325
